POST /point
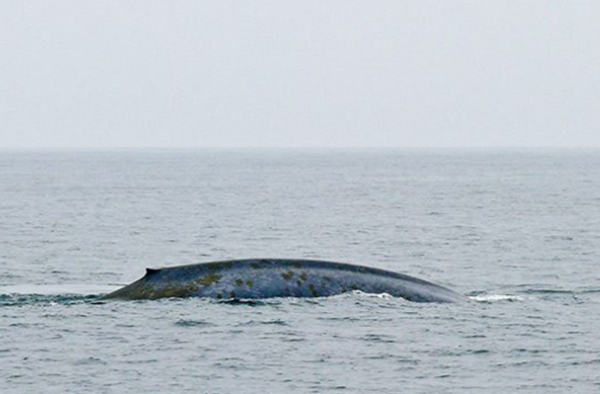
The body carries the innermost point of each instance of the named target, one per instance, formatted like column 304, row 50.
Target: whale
column 271, row 278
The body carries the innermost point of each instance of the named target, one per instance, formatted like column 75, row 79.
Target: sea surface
column 516, row 230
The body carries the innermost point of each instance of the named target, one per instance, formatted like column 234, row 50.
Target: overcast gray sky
column 155, row 73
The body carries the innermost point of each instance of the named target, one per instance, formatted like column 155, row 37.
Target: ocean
column 517, row 230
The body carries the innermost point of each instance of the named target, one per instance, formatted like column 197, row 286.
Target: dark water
column 519, row 231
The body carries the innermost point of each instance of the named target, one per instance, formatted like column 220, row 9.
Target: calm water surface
column 518, row 231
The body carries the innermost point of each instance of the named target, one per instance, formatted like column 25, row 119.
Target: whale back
column 268, row 278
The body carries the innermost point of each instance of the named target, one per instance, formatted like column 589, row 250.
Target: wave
column 27, row 294
column 522, row 292
column 80, row 289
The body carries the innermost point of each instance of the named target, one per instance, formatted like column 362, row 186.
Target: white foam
column 359, row 293
column 495, row 297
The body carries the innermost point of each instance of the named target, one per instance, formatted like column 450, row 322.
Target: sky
column 305, row 73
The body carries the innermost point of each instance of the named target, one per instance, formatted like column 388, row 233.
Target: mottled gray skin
column 268, row 278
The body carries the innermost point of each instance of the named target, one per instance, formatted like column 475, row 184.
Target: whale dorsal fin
column 151, row 271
